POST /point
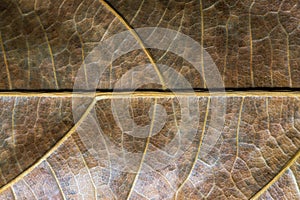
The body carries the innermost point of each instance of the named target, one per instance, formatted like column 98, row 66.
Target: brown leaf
column 253, row 43
column 58, row 144
column 257, row 143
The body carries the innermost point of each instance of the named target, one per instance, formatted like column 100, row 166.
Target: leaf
column 243, row 161
column 30, row 126
column 253, row 43
column 149, row 145
column 252, row 46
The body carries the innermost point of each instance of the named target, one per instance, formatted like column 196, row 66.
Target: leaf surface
column 149, row 145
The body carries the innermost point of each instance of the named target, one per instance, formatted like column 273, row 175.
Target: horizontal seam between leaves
column 103, row 95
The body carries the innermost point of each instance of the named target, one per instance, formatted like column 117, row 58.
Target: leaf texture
column 286, row 185
column 30, row 126
column 255, row 145
column 55, row 144
column 253, row 43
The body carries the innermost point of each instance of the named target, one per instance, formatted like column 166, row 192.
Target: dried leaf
column 58, row 144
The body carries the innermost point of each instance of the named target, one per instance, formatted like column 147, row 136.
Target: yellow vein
column 198, row 150
column 27, row 46
column 13, row 133
column 50, row 50
column 287, row 51
column 138, row 39
column 83, row 58
column 13, row 193
column 268, row 115
column 295, row 181
column 271, row 61
column 137, row 12
column 275, row 178
column 238, row 127
column 2, row 177
column 87, row 168
column 202, row 44
column 105, row 145
column 251, row 44
column 174, row 116
column 164, row 14
column 56, row 180
column 123, row 94
column 111, row 64
column 50, row 151
column 152, row 94
column 232, row 180
column 288, row 57
column 82, row 53
column 163, row 177
column 145, row 151
column 28, row 61
column 226, row 49
column 37, row 116
column 142, row 196
column 30, row 189
column 19, row 9
column 5, row 62
column 178, row 31
column 13, row 123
